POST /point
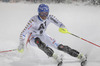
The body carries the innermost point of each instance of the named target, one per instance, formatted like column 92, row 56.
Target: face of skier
column 43, row 15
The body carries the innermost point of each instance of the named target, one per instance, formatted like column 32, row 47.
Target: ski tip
column 60, row 63
column 84, row 63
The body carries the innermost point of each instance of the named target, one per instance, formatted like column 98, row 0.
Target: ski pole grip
column 63, row 30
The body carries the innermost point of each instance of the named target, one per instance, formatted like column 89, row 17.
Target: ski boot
column 58, row 59
column 83, row 59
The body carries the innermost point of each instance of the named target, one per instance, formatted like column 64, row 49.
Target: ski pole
column 28, row 40
column 64, row 30
column 85, row 40
column 8, row 50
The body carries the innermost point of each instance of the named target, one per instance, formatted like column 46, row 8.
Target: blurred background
column 94, row 2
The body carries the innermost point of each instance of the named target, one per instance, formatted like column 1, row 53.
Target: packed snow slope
column 81, row 20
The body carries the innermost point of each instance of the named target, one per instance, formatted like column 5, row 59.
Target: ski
column 83, row 63
column 60, row 63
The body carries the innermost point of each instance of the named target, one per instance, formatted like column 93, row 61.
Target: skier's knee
column 37, row 40
column 68, row 50
column 43, row 47
column 64, row 48
column 39, row 43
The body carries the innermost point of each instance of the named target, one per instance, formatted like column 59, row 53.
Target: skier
column 36, row 28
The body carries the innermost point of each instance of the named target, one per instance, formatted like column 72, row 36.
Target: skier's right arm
column 23, row 34
column 25, row 31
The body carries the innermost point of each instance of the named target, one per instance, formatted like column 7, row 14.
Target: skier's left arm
column 61, row 26
column 56, row 22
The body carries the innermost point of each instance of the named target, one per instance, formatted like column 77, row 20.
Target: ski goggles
column 43, row 14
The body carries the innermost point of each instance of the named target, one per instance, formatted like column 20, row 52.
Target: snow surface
column 81, row 20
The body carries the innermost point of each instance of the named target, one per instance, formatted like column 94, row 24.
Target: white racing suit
column 36, row 28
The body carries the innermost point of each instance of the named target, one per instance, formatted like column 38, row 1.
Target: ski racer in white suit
column 36, row 28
